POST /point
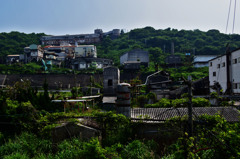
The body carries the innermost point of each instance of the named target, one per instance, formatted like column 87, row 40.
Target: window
column 110, row 82
column 239, row 60
column 218, row 65
column 214, row 74
column 223, row 64
column 234, row 61
column 210, row 64
column 235, row 85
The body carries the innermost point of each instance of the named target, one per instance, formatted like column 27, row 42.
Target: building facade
column 134, row 57
column 33, row 53
column 221, row 73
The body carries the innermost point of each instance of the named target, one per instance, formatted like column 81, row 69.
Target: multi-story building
column 71, row 39
column 33, row 53
column 224, row 70
column 79, row 39
column 85, row 51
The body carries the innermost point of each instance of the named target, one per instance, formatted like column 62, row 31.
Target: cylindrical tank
column 123, row 99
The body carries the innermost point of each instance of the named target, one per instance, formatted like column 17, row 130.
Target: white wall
column 235, row 67
column 221, row 75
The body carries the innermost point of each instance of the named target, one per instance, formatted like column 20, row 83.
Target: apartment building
column 224, row 69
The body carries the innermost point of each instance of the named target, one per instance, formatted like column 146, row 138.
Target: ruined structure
column 134, row 58
column 111, row 78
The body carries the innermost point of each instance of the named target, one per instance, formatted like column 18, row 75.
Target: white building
column 202, row 60
column 218, row 71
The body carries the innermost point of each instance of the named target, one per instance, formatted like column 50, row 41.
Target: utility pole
column 190, row 121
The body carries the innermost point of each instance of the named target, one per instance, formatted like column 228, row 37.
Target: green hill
column 14, row 42
column 157, row 42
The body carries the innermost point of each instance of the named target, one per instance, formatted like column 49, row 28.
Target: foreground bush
column 28, row 146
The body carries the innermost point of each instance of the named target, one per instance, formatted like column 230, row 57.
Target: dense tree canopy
column 14, row 42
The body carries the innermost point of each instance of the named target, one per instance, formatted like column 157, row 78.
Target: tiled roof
column 231, row 114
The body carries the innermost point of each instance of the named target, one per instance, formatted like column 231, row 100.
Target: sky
column 59, row 17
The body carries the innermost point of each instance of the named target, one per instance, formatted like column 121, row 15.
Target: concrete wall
column 111, row 78
column 54, row 81
column 217, row 72
column 235, row 78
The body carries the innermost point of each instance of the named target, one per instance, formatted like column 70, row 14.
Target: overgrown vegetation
column 214, row 138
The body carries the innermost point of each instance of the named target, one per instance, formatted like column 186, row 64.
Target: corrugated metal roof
column 231, row 114
column 203, row 58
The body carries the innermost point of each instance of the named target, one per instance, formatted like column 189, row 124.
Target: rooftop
column 231, row 114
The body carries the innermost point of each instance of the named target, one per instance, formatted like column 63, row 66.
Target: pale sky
column 57, row 17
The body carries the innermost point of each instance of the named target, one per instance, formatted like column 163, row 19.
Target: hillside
column 157, row 42
column 14, row 42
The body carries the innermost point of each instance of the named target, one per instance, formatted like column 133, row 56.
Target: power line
column 234, row 16
column 228, row 15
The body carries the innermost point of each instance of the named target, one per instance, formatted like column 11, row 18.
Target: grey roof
column 231, row 114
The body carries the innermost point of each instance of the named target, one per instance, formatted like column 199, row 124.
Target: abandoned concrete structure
column 134, row 58
column 78, row 39
column 173, row 61
column 111, row 78
column 14, row 58
column 84, row 63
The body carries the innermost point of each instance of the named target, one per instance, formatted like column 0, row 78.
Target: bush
column 200, row 102
column 162, row 103
column 136, row 150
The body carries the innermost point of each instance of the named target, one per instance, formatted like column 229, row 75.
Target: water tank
column 123, row 99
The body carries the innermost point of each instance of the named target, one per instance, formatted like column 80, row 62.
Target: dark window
column 234, row 85
column 110, row 82
column 223, row 64
column 218, row 66
column 210, row 64
column 234, row 61
column 214, row 73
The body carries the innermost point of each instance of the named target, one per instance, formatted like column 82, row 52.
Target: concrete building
column 85, row 63
column 33, row 53
column 131, row 59
column 79, row 39
column 173, row 61
column 14, row 58
column 202, row 60
column 85, row 51
column 111, row 78
column 226, row 73
column 71, row 39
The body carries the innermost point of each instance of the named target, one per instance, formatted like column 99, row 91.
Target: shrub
column 200, row 102
column 136, row 150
